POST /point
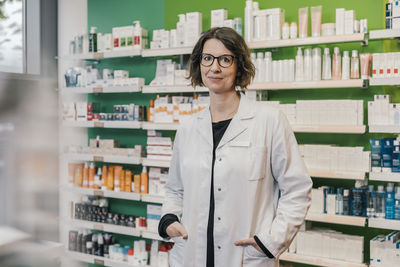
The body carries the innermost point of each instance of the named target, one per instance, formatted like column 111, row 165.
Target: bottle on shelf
column 371, row 202
column 316, row 65
column 260, row 67
column 144, row 181
column 326, row 65
column 307, row 65
column 397, row 204
column 86, row 175
column 93, row 40
column 355, row 65
column 268, row 66
column 336, row 64
column 346, row 200
column 339, row 201
column 380, row 202
column 346, row 66
column 389, row 201
column 299, row 66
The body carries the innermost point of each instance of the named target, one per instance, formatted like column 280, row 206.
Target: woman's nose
column 215, row 67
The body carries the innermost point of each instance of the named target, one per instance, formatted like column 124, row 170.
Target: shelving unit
column 123, row 230
column 355, row 83
column 351, row 129
column 336, row 219
column 384, row 34
column 104, row 124
column 385, row 176
column 147, row 89
column 384, row 128
column 103, row 55
column 98, row 260
column 104, row 158
column 103, row 193
column 160, row 126
column 384, row 81
column 155, row 163
column 167, row 51
column 318, row 261
column 384, row 223
column 100, row 90
column 358, row 37
column 337, row 174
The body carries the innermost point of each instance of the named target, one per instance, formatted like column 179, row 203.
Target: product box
column 69, row 111
column 153, row 217
column 340, row 21
column 229, row 23
column 193, row 28
column 218, row 16
column 81, row 111
column 349, row 17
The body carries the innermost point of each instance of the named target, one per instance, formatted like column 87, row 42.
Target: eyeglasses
column 224, row 61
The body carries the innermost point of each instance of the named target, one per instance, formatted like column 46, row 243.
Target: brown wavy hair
column 234, row 43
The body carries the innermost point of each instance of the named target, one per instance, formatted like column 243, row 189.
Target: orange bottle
column 144, row 181
column 122, row 181
column 128, row 181
column 79, row 175
column 136, row 180
column 92, row 172
column 117, row 178
column 104, row 177
column 86, row 175
column 150, row 111
column 110, row 178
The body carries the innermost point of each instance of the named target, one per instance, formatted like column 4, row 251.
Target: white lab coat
column 261, row 187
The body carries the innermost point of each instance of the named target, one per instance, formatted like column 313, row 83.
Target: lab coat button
column 220, row 159
column 219, row 189
column 219, row 218
column 219, row 247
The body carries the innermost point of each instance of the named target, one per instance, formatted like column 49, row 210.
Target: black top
column 219, row 129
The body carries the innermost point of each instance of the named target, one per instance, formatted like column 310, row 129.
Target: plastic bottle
column 86, row 175
column 339, row 201
column 371, row 202
column 346, row 66
column 293, row 30
column 299, row 66
column 180, row 30
column 326, row 65
column 92, row 172
column 355, row 65
column 253, row 58
column 346, row 202
column 260, row 66
column 144, row 181
column 268, row 66
column 137, row 35
column 307, row 65
column 93, row 40
column 389, row 201
column 336, row 64
column 316, row 64
column 97, row 179
column 356, row 208
column 248, row 21
column 380, row 202
column 397, row 204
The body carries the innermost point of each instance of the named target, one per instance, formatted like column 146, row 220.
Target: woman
column 238, row 189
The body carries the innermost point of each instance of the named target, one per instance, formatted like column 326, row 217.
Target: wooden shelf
column 336, row 219
column 155, row 163
column 355, row 83
column 104, row 124
column 337, row 174
column 384, row 34
column 123, row 230
column 384, row 81
column 104, row 158
column 147, row 89
column 317, row 261
column 352, row 129
column 167, row 51
column 358, row 37
column 384, row 223
column 385, row 176
column 101, row 90
column 103, row 55
column 103, row 193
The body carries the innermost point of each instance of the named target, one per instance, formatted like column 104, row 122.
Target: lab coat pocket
column 258, row 163
column 254, row 258
column 177, row 253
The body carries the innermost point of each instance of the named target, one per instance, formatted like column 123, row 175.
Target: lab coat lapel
column 239, row 122
column 205, row 125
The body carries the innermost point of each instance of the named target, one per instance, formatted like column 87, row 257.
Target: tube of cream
column 316, row 12
column 365, row 60
column 303, row 22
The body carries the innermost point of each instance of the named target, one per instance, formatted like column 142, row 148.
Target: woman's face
column 218, row 79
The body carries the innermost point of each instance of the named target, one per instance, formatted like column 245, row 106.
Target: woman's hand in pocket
column 176, row 229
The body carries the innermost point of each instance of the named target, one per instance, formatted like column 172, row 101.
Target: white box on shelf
column 340, row 21
column 218, row 16
column 153, row 216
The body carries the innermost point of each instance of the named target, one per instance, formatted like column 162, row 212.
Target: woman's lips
column 215, row 78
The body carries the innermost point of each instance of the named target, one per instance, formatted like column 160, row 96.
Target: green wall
column 156, row 14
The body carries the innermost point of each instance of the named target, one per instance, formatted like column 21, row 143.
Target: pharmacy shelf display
column 384, row 81
column 384, row 223
column 104, row 124
column 384, row 34
column 336, row 219
column 358, row 37
column 324, row 84
column 113, row 194
column 111, row 228
column 318, row 261
column 104, row 158
column 101, row 90
column 385, row 176
column 103, row 55
column 167, row 51
column 98, row 260
column 153, row 89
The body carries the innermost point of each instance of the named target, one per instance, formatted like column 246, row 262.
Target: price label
column 98, row 55
column 99, row 124
column 97, row 90
column 98, row 261
column 98, row 227
column 98, row 158
column 99, row 193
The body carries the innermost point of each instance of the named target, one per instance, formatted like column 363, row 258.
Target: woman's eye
column 226, row 59
column 207, row 58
